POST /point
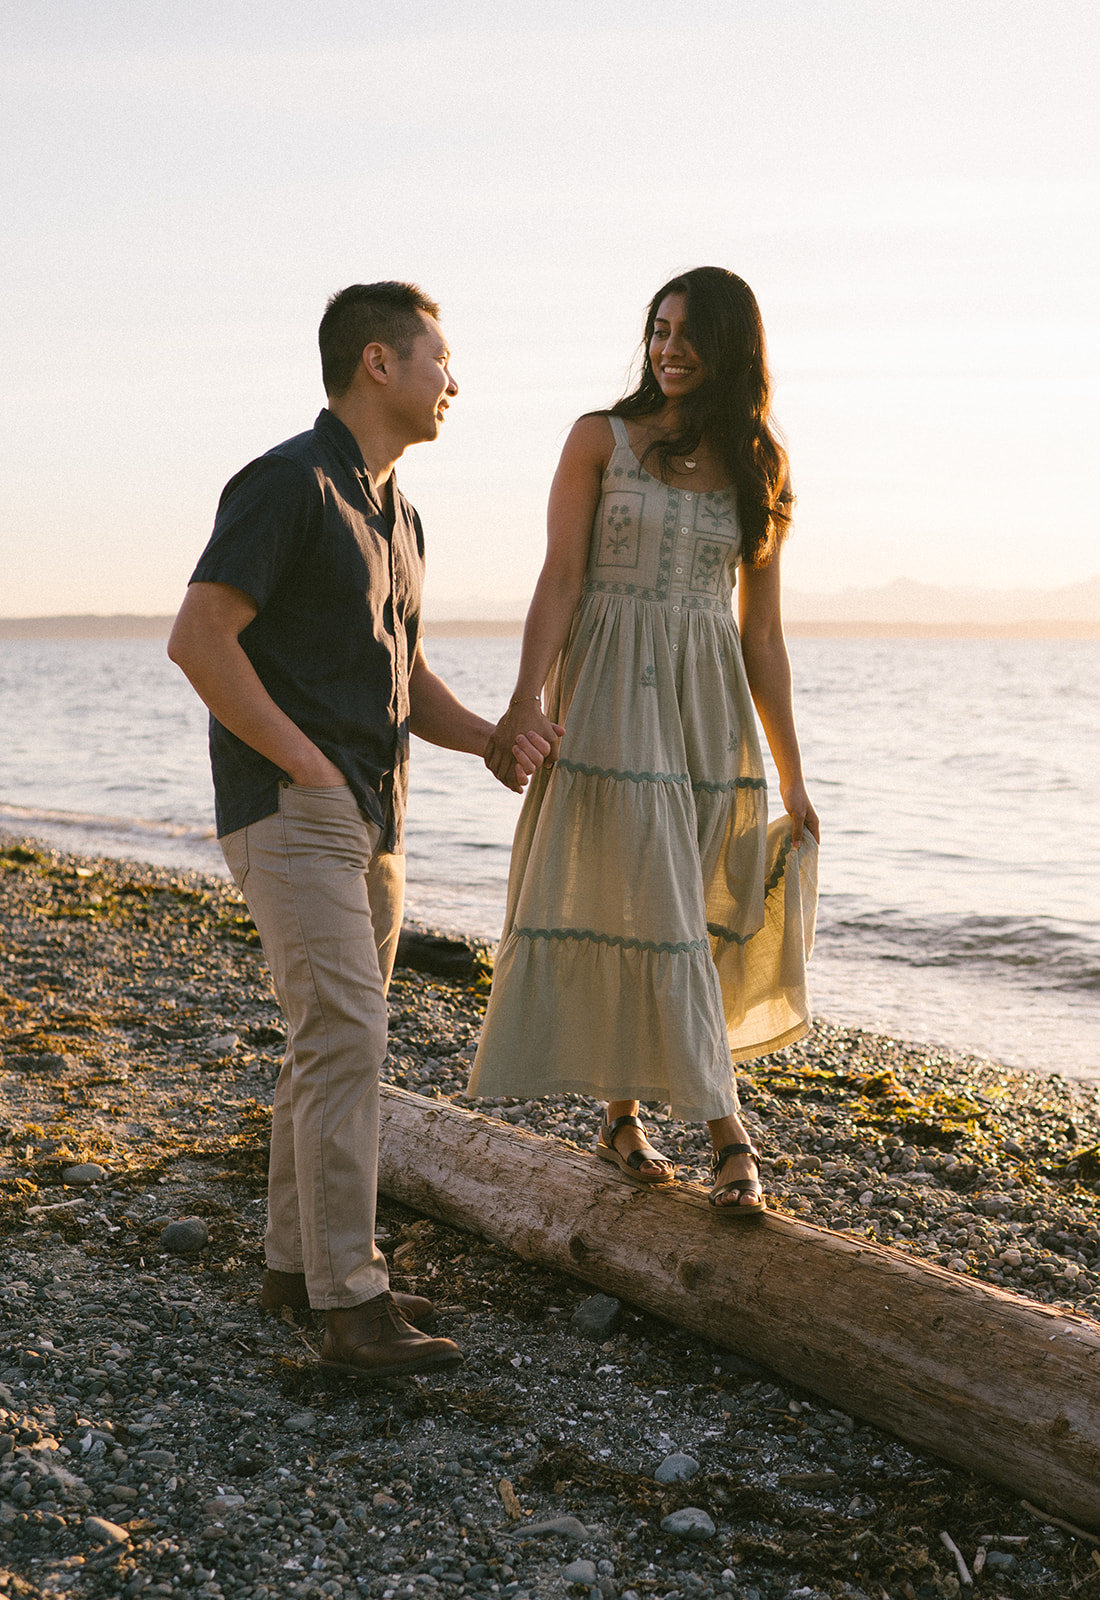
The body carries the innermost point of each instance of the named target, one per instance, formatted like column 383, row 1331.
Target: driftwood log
column 974, row 1374
column 441, row 956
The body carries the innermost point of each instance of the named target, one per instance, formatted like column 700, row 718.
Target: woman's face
column 676, row 367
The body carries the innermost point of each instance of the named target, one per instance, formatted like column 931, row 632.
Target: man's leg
column 317, row 889
column 306, row 874
column 385, row 893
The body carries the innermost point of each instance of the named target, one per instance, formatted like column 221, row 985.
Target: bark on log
column 974, row 1374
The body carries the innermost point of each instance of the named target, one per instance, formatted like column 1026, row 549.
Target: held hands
column 796, row 803
column 521, row 741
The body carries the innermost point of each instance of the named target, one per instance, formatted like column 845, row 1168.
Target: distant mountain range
column 906, row 601
column 901, row 607
column 86, row 627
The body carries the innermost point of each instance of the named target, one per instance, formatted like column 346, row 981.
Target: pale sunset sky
column 912, row 187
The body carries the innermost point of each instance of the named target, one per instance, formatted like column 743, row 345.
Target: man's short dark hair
column 369, row 313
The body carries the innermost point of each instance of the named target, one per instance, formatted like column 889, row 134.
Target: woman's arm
column 574, row 496
column 768, row 669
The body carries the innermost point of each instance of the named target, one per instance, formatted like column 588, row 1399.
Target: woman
column 657, row 929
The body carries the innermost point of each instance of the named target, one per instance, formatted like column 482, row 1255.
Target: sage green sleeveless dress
column 657, row 929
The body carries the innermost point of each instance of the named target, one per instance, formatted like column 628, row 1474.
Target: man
column 301, row 632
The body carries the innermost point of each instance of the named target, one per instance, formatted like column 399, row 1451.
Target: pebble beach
column 159, row 1435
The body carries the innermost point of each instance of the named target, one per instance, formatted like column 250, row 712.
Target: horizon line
column 133, row 625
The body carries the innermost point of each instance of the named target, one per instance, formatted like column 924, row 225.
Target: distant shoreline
column 136, row 627
column 1043, row 628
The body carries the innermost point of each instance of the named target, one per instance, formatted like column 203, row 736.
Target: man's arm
column 205, row 643
column 437, row 715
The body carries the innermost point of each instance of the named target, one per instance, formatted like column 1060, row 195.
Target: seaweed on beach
column 22, row 855
column 883, row 1532
column 459, row 1268
column 1083, row 1165
column 930, row 1117
column 238, row 925
column 557, row 1469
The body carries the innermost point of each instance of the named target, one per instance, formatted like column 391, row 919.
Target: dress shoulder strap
column 618, row 429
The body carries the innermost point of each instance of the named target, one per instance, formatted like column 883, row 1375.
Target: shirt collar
column 340, row 436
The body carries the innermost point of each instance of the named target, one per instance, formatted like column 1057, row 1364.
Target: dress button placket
column 676, row 593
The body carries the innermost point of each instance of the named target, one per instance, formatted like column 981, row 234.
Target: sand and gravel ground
column 160, row 1436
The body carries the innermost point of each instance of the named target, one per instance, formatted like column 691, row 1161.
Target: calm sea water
column 955, row 779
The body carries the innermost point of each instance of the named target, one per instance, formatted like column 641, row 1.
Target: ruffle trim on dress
column 702, row 785
column 707, row 787
column 771, row 883
column 775, row 876
column 616, row 941
column 728, row 936
column 624, row 777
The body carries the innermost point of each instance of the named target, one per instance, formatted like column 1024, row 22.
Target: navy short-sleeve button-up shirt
column 302, row 531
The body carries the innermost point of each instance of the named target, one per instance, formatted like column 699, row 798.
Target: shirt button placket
column 400, row 641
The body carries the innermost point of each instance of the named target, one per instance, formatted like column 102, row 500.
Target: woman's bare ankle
column 621, row 1108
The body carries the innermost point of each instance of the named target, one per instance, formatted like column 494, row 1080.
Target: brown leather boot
column 288, row 1289
column 374, row 1340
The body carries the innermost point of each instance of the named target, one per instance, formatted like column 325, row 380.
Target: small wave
column 1045, row 952
column 133, row 839
column 127, row 827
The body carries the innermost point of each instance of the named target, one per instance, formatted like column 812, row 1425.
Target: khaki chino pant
column 328, row 906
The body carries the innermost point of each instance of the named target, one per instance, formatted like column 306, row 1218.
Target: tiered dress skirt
column 657, row 929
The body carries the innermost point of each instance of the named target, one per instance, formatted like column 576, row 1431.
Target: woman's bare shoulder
column 592, row 434
column 588, row 446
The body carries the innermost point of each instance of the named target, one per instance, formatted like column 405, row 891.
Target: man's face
column 421, row 385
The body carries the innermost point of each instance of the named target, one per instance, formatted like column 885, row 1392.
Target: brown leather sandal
column 632, row 1163
column 750, row 1186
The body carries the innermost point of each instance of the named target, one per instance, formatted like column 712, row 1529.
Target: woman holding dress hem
column 657, row 928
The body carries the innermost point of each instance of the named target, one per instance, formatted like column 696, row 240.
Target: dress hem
column 780, row 1042
column 649, row 1094
column 645, row 1094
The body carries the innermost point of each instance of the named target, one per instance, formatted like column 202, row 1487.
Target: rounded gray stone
column 579, row 1572
column 690, row 1523
column 83, row 1173
column 186, row 1236
column 301, row 1422
column 568, row 1527
column 676, row 1468
column 219, row 1504
column 598, row 1317
column 105, row 1532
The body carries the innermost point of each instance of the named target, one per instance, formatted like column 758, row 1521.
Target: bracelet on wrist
column 517, row 698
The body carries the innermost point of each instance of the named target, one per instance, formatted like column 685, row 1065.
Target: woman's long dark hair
column 730, row 408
